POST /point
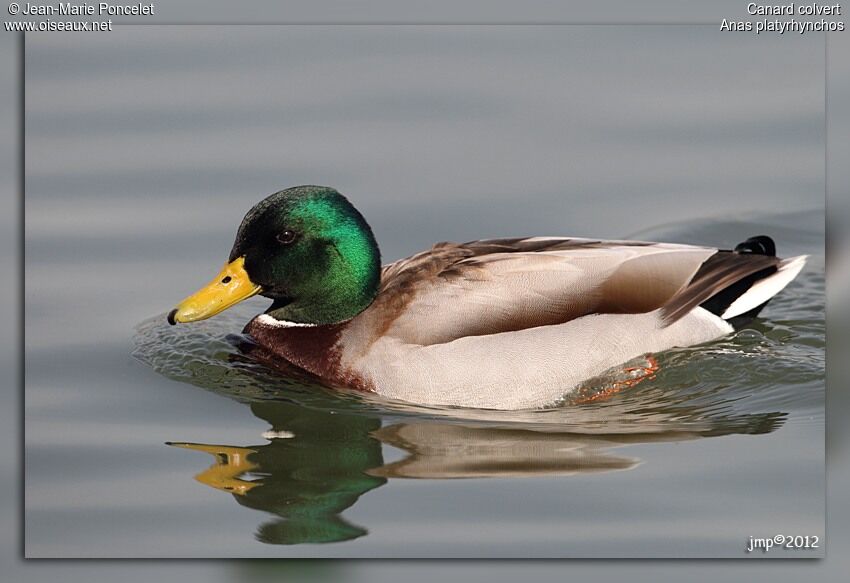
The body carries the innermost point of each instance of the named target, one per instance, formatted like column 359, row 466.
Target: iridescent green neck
column 339, row 271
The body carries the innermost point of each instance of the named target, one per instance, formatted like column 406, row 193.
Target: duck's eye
column 286, row 237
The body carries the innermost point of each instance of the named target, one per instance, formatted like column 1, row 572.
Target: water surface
column 146, row 146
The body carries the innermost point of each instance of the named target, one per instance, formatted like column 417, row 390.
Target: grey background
column 164, row 136
column 838, row 470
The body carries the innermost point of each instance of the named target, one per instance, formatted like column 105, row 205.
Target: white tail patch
column 766, row 288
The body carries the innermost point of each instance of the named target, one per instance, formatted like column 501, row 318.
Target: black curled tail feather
column 758, row 245
column 723, row 278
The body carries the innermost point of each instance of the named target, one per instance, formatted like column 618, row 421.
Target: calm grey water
column 146, row 146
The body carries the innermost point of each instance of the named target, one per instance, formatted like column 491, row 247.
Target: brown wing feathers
column 729, row 271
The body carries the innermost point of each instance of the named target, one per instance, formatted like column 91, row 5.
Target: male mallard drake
column 499, row 323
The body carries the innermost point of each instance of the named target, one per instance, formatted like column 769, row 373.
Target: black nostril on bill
column 226, row 279
column 171, row 315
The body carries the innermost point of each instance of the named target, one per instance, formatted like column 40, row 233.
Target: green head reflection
column 312, row 469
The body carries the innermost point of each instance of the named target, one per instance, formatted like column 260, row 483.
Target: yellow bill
column 230, row 464
column 229, row 287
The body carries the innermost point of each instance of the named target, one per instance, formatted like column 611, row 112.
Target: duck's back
column 514, row 323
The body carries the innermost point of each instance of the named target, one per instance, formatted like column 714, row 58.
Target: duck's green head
column 308, row 249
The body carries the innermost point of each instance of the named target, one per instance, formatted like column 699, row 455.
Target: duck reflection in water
column 317, row 463
column 312, row 469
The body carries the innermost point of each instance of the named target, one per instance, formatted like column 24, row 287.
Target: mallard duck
column 499, row 323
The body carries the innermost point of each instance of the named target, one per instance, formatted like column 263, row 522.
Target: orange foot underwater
column 627, row 378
